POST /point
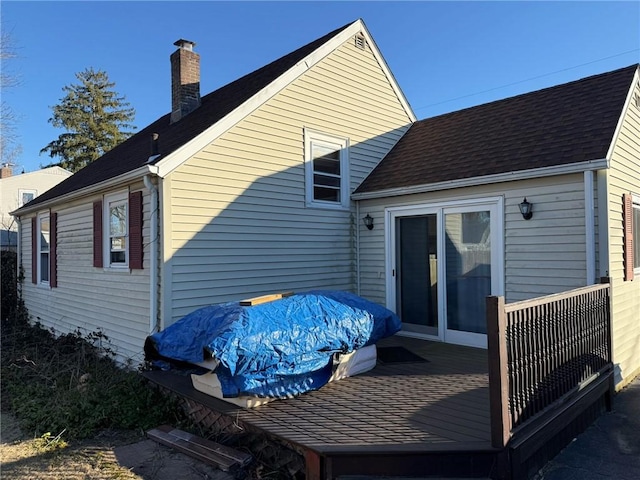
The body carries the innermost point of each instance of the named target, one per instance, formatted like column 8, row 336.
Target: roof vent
column 361, row 43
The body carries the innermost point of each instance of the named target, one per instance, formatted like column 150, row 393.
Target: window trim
column 114, row 198
column 22, row 191
column 312, row 137
column 46, row 283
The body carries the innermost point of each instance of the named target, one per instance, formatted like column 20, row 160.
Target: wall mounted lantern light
column 526, row 209
column 368, row 221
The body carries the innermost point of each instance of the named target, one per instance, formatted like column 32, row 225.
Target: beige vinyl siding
column 544, row 255
column 239, row 224
column 624, row 177
column 87, row 298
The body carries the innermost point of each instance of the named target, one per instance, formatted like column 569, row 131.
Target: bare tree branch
column 10, row 147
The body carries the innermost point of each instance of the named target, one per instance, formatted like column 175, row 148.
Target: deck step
column 225, row 458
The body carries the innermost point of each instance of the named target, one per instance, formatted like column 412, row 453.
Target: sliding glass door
column 445, row 260
column 417, row 273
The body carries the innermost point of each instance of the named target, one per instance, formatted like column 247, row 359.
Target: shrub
column 68, row 383
column 9, row 284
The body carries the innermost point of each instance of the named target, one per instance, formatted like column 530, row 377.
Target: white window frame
column 341, row 144
column 109, row 200
column 22, row 191
column 42, row 216
column 635, row 230
column 441, row 208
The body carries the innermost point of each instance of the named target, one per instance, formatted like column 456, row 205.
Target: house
column 262, row 185
column 241, row 192
column 446, row 204
column 17, row 190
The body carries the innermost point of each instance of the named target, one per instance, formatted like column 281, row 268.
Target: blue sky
column 445, row 55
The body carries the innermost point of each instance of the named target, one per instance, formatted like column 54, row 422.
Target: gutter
column 89, row 190
column 580, row 167
column 153, row 243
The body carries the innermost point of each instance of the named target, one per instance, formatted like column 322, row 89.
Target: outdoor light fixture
column 526, row 209
column 368, row 221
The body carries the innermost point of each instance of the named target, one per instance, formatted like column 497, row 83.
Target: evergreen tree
column 96, row 119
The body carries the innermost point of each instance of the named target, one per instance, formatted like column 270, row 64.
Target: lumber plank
column 198, row 452
column 249, row 302
column 241, row 458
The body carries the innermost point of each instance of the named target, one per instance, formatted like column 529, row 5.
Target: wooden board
column 212, row 453
column 264, row 299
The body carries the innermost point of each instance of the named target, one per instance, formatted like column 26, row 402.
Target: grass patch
column 50, row 443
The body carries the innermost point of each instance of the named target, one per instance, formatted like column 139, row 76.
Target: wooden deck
column 441, row 402
column 548, row 364
column 395, row 419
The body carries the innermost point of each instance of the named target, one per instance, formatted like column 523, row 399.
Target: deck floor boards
column 442, row 401
column 428, row 406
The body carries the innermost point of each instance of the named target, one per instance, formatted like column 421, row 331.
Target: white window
column 327, row 170
column 116, row 226
column 25, row 196
column 44, row 232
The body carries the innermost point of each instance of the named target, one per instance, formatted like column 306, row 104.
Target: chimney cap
column 186, row 44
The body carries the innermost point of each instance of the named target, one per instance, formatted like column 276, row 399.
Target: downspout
column 603, row 223
column 19, row 255
column 590, row 226
column 357, row 247
column 153, row 243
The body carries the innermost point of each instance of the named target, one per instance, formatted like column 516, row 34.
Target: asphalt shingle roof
column 135, row 151
column 568, row 123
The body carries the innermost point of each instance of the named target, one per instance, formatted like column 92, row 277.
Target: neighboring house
column 242, row 192
column 447, row 202
column 18, row 190
column 261, row 186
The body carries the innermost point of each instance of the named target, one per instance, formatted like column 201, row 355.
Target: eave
column 88, row 190
column 590, row 165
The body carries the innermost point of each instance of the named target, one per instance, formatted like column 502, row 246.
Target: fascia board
column 176, row 158
column 89, row 190
column 488, row 179
column 387, row 71
column 632, row 88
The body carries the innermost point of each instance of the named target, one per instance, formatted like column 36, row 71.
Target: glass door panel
column 468, row 270
column 417, row 273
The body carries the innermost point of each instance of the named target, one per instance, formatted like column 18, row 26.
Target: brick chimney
column 6, row 171
column 185, row 80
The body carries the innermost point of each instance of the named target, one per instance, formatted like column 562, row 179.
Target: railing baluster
column 544, row 348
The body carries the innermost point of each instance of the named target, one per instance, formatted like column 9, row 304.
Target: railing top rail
column 534, row 302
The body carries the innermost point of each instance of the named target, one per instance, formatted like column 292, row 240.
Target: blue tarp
column 276, row 349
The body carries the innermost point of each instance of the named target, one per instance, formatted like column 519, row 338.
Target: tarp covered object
column 276, row 349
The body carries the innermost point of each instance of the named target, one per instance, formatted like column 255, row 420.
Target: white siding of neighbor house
column 37, row 182
column 624, row 177
column 543, row 255
column 239, row 226
column 88, row 298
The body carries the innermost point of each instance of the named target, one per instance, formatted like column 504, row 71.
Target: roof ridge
column 320, row 40
column 567, row 124
column 533, row 92
column 134, row 152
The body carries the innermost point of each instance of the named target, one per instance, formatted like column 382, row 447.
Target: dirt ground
column 109, row 456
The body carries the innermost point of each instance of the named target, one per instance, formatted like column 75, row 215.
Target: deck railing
column 543, row 350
